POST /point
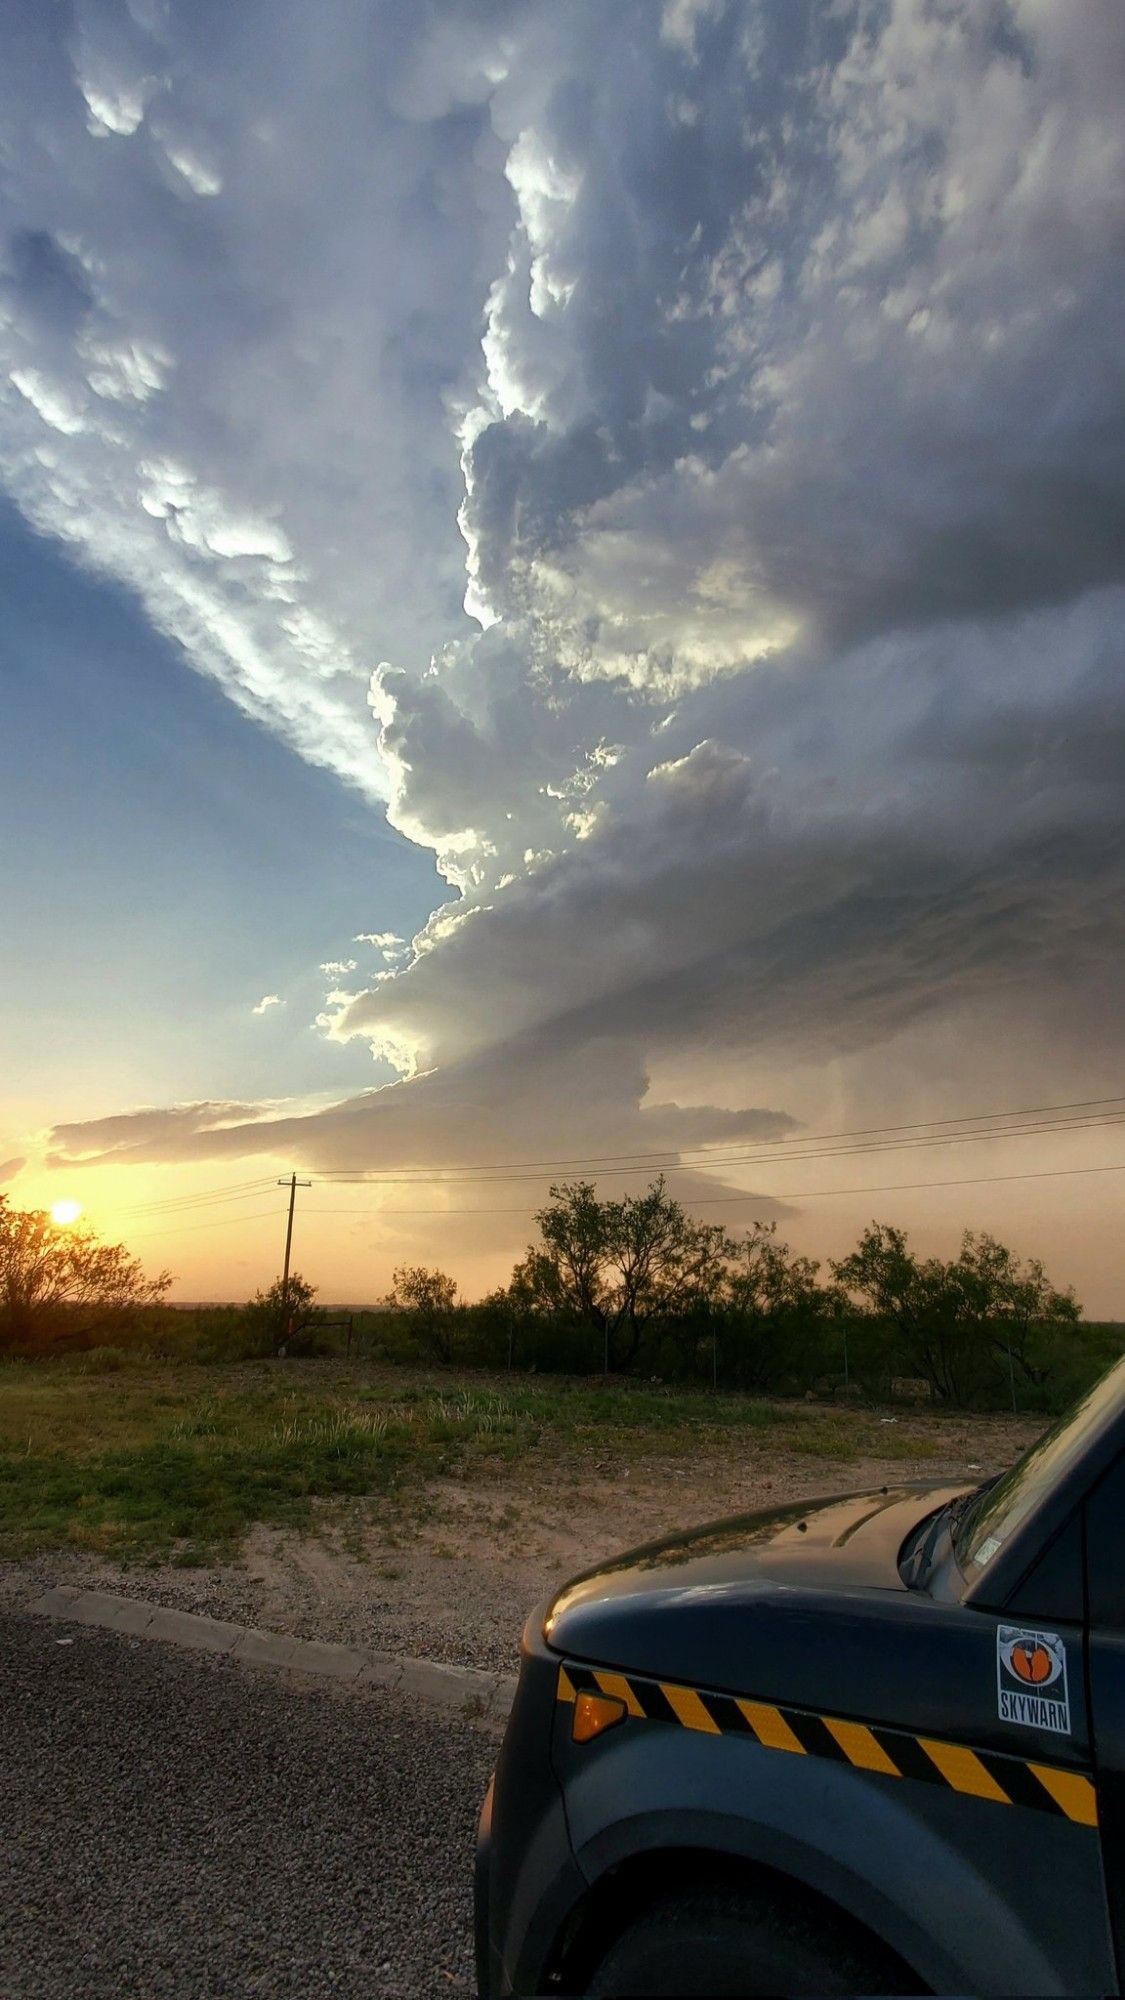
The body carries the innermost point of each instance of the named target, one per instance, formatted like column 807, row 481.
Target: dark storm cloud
column 781, row 343
column 831, row 299
column 100, row 1138
column 47, row 283
column 815, row 858
column 537, row 1112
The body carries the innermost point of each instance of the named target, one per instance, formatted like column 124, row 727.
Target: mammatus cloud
column 767, row 356
column 241, row 271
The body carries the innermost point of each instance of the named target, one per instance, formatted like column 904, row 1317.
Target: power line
column 767, row 1158
column 185, row 1228
column 786, row 1150
column 797, row 1144
column 247, row 1191
column 707, row 1201
column 796, row 1194
column 203, row 1198
column 893, row 1187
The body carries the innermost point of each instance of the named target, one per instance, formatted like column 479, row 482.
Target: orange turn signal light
column 593, row 1713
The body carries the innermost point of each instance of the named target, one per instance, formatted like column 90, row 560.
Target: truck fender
column 940, row 1879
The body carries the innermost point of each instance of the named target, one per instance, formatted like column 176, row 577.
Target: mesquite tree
column 621, row 1267
column 52, row 1275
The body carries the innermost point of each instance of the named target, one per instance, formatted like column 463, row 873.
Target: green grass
column 150, row 1461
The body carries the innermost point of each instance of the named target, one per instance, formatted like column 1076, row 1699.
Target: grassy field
column 151, row 1461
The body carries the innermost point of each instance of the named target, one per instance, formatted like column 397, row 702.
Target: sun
column 64, row 1212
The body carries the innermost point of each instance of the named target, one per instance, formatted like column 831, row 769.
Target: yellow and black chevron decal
column 892, row 1753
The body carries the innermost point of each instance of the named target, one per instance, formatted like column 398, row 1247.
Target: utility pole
column 293, row 1184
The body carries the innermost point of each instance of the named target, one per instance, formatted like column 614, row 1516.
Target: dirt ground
column 452, row 1574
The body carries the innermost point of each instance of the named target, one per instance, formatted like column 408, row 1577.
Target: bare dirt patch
column 450, row 1571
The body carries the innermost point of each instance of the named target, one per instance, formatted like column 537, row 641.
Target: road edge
column 470, row 1693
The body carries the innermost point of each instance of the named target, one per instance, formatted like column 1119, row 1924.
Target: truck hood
column 756, row 1604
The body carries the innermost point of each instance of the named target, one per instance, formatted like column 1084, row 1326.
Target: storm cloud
column 673, row 456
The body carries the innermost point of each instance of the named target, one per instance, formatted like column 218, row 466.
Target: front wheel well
column 623, row 1894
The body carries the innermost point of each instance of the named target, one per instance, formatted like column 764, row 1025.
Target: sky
column 562, row 575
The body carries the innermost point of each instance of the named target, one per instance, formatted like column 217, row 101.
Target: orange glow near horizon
column 219, row 1227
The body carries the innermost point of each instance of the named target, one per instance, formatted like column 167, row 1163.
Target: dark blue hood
column 790, row 1604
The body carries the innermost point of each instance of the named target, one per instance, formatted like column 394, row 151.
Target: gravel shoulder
column 452, row 1573
column 176, row 1825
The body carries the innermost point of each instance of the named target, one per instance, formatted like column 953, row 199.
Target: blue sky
column 168, row 864
column 629, row 500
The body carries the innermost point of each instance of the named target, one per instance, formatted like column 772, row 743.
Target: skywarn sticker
column 1031, row 1679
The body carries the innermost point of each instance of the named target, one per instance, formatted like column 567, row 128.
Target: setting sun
column 64, row 1212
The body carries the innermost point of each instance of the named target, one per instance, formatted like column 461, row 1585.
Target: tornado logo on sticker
column 1031, row 1679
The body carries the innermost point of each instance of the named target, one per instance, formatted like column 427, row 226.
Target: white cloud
column 388, row 943
column 681, row 20
column 111, row 62
column 267, row 1001
column 49, row 400
column 382, row 940
column 258, row 407
column 201, row 179
column 756, row 368
column 125, row 371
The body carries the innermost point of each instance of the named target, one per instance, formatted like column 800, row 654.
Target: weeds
column 151, row 1461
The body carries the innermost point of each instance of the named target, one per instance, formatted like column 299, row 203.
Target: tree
column 1019, row 1315
column 966, row 1325
column 915, row 1306
column 282, row 1314
column 431, row 1298
column 498, row 1318
column 620, row 1268
column 777, row 1313
column 886, row 1276
column 569, row 1272
column 53, row 1277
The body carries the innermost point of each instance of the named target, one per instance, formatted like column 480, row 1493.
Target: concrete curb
column 467, row 1692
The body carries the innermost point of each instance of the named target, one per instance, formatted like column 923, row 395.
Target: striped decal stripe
column 860, row 1747
column 890, row 1753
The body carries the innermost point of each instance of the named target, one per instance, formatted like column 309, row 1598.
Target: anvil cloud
column 672, row 455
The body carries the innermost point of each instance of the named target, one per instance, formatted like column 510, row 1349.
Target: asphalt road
column 173, row 1824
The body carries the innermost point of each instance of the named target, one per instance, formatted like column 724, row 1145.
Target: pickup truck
column 873, row 1743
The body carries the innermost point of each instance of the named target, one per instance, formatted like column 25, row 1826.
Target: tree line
column 632, row 1286
column 638, row 1286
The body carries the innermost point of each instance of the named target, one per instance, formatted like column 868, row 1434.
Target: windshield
column 998, row 1509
